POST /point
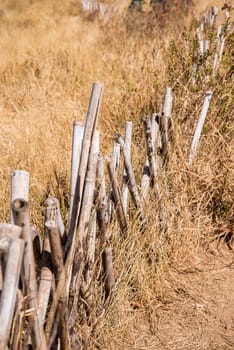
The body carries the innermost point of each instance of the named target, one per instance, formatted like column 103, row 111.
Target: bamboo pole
column 57, row 260
column 91, row 121
column 77, row 137
column 131, row 177
column 117, row 196
column 116, row 157
column 46, row 276
column 46, row 279
column 116, row 161
column 73, row 240
column 164, row 138
column 89, row 266
column 216, row 55
column 8, row 232
column 150, row 149
column 127, row 142
column 8, row 296
column 167, row 104
column 20, row 212
column 17, row 327
column 199, row 126
column 200, row 42
column 82, row 231
column 145, row 180
column 102, row 217
column 36, row 242
column 19, row 187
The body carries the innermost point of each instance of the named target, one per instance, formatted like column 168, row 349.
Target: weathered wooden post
column 127, row 142
column 199, row 126
column 10, row 287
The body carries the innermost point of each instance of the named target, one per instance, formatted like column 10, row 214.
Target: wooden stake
column 10, row 287
column 127, row 142
column 20, row 212
column 199, row 126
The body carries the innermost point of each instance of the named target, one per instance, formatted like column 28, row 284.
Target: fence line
column 65, row 268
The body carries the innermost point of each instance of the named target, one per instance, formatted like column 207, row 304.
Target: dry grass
column 49, row 58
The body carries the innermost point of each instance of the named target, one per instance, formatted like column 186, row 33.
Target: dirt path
column 201, row 313
column 196, row 314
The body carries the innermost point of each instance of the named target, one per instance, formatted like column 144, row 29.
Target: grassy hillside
column 50, row 55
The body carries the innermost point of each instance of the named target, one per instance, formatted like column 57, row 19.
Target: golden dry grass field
column 175, row 282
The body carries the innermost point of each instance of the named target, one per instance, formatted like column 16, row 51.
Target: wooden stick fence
column 40, row 296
